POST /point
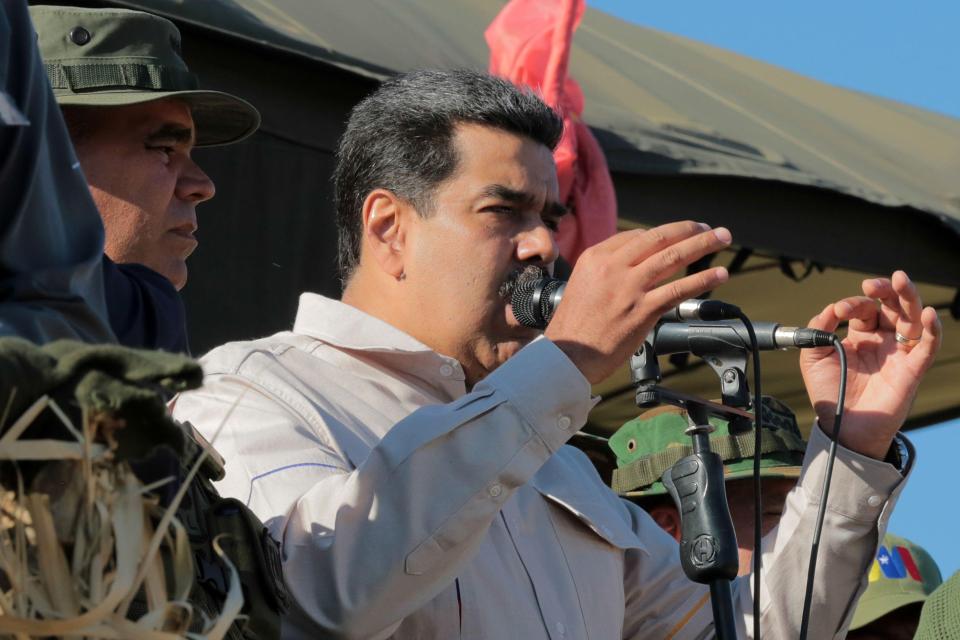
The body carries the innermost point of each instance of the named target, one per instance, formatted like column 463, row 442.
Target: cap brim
column 765, row 472
column 876, row 608
column 220, row 118
column 786, row 471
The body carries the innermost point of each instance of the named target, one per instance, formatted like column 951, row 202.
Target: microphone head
column 524, row 300
column 548, row 303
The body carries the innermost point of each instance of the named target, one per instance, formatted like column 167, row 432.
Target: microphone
column 706, row 339
column 534, row 302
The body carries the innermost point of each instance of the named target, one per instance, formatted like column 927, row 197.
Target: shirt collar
column 346, row 327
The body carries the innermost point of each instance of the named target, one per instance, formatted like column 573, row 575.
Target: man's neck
column 378, row 300
column 374, row 300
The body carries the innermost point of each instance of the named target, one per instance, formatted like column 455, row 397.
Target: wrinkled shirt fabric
column 410, row 508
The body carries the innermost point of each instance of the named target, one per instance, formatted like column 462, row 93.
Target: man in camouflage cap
column 135, row 113
column 901, row 577
column 649, row 445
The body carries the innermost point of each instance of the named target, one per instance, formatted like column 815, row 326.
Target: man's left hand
column 883, row 373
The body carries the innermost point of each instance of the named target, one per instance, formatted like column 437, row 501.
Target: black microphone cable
column 828, row 475
column 757, row 498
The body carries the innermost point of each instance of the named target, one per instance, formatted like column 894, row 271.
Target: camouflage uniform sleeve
column 51, row 237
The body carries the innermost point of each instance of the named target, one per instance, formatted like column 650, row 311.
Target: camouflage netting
column 89, row 542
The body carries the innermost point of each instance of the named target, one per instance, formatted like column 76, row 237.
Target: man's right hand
column 616, row 293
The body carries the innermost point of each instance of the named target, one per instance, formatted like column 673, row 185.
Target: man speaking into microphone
column 406, row 444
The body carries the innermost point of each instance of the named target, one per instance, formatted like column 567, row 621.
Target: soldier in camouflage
column 649, row 445
column 902, row 574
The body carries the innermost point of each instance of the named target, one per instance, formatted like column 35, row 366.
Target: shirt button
column 874, row 501
column 495, row 491
column 446, row 370
column 564, row 422
column 562, row 630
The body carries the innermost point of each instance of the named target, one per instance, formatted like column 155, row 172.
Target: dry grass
column 77, row 546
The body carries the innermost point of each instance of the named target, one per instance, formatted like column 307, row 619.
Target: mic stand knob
column 708, row 542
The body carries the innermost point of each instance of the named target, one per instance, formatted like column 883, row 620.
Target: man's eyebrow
column 171, row 131
column 523, row 198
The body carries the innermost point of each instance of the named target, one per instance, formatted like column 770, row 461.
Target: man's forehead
column 150, row 117
column 490, row 156
column 169, row 112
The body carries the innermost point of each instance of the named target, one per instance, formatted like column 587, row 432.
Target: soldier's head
column 649, row 445
column 135, row 114
column 901, row 577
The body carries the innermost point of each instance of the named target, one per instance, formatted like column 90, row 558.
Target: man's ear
column 384, row 230
column 668, row 518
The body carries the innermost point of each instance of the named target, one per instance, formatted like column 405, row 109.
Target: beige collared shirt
column 408, row 508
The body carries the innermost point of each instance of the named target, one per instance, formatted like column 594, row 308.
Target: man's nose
column 194, row 185
column 538, row 244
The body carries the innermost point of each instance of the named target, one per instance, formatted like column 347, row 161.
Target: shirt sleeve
column 387, row 537
column 662, row 603
column 51, row 237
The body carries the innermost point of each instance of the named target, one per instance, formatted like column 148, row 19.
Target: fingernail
column 723, row 235
column 721, row 274
column 704, row 226
column 845, row 307
column 879, row 283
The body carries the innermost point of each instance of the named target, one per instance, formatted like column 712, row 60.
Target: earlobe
column 668, row 519
column 383, row 231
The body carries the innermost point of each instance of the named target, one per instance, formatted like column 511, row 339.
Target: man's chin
column 175, row 271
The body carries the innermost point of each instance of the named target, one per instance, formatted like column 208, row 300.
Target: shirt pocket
column 567, row 484
column 436, row 421
column 593, row 529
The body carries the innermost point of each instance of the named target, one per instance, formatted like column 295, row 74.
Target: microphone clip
column 727, row 358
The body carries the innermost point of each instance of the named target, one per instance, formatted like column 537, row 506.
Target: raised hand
column 891, row 342
column 615, row 294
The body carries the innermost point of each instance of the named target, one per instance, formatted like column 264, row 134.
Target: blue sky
column 908, row 51
column 905, row 51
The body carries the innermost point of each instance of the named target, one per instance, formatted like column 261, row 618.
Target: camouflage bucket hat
column 902, row 573
column 649, row 445
column 117, row 57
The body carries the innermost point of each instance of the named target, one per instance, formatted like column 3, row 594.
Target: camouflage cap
column 116, row 57
column 649, row 445
column 901, row 574
column 940, row 618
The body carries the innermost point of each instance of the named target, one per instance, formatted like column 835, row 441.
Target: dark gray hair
column 400, row 138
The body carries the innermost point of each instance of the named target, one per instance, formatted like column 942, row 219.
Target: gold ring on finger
column 910, row 342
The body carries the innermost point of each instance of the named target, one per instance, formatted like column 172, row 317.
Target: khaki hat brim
column 220, row 118
column 875, row 608
column 765, row 472
column 786, row 471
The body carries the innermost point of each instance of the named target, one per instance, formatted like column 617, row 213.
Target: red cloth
column 529, row 44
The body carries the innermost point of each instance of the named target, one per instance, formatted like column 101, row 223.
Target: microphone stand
column 708, row 542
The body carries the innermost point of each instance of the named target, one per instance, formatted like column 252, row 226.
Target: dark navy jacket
column 144, row 308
